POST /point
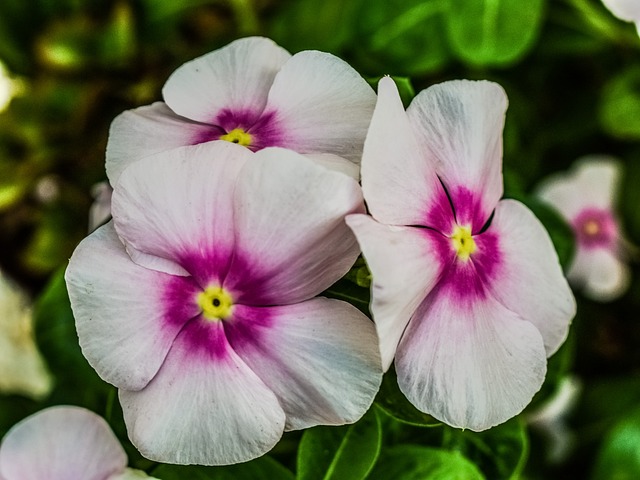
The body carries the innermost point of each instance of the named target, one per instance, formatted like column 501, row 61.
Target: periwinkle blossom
column 197, row 302
column 64, row 443
column 586, row 197
column 254, row 93
column 467, row 291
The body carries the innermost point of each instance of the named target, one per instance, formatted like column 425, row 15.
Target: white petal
column 529, row 279
column 398, row 181
column 205, row 406
column 144, row 131
column 470, row 362
column 404, row 271
column 235, row 77
column 459, row 126
column 600, row 273
column 628, row 10
column 319, row 357
column 177, row 205
column 338, row 164
column 127, row 316
column 322, row 104
column 289, row 222
column 61, row 443
column 592, row 183
column 131, row 474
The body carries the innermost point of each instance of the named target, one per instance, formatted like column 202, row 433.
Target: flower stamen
column 216, row 303
column 463, row 242
column 239, row 136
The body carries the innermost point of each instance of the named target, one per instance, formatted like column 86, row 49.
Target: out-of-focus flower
column 467, row 290
column 585, row 197
column 22, row 369
column 627, row 10
column 196, row 302
column 9, row 88
column 64, row 443
column 254, row 93
column 550, row 419
column 100, row 210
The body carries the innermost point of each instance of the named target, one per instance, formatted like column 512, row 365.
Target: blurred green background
column 572, row 74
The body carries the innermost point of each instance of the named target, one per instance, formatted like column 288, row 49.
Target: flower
column 63, row 443
column 196, row 302
column 22, row 369
column 467, row 291
column 254, row 93
column 585, row 197
column 627, row 10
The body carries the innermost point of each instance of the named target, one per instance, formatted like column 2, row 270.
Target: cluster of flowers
column 237, row 202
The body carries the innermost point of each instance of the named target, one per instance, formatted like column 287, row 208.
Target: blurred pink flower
column 196, row 301
column 64, row 443
column 254, row 93
column 467, row 291
column 585, row 197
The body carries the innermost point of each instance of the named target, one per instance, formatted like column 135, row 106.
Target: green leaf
column 500, row 452
column 619, row 457
column 403, row 37
column 413, row 462
column 630, row 196
column 336, row 453
column 393, row 402
column 493, row 32
column 263, row 468
column 620, row 105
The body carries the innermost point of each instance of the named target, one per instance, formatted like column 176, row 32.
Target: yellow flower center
column 591, row 228
column 239, row 136
column 216, row 303
column 463, row 243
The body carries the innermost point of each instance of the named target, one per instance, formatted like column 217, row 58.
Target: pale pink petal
column 468, row 361
column 398, row 181
column 600, row 273
column 291, row 239
column 628, row 10
column 131, row 474
column 61, row 443
column 319, row 357
column 322, row 105
column 236, row 77
column 205, row 405
column 336, row 163
column 404, row 270
column 178, row 206
column 127, row 316
column 528, row 279
column 459, row 126
column 592, row 182
column 144, row 131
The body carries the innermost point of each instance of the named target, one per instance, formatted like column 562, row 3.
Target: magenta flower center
column 595, row 228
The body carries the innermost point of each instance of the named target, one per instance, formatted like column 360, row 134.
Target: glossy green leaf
column 620, row 105
column 263, row 468
column 413, row 462
column 393, row 402
column 337, row 453
column 619, row 456
column 493, row 32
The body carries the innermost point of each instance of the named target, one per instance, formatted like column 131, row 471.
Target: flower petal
column 398, row 181
column 61, row 443
column 127, row 316
column 144, row 131
column 459, row 126
column 205, row 405
column 404, row 271
column 470, row 363
column 628, row 10
column 322, row 104
column 597, row 175
column 236, row 77
column 601, row 274
column 319, row 357
column 178, row 204
column 131, row 474
column 529, row 279
column 289, row 222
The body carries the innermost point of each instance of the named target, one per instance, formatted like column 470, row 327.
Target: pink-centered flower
column 197, row 302
column 64, row 443
column 585, row 197
column 467, row 292
column 254, row 93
